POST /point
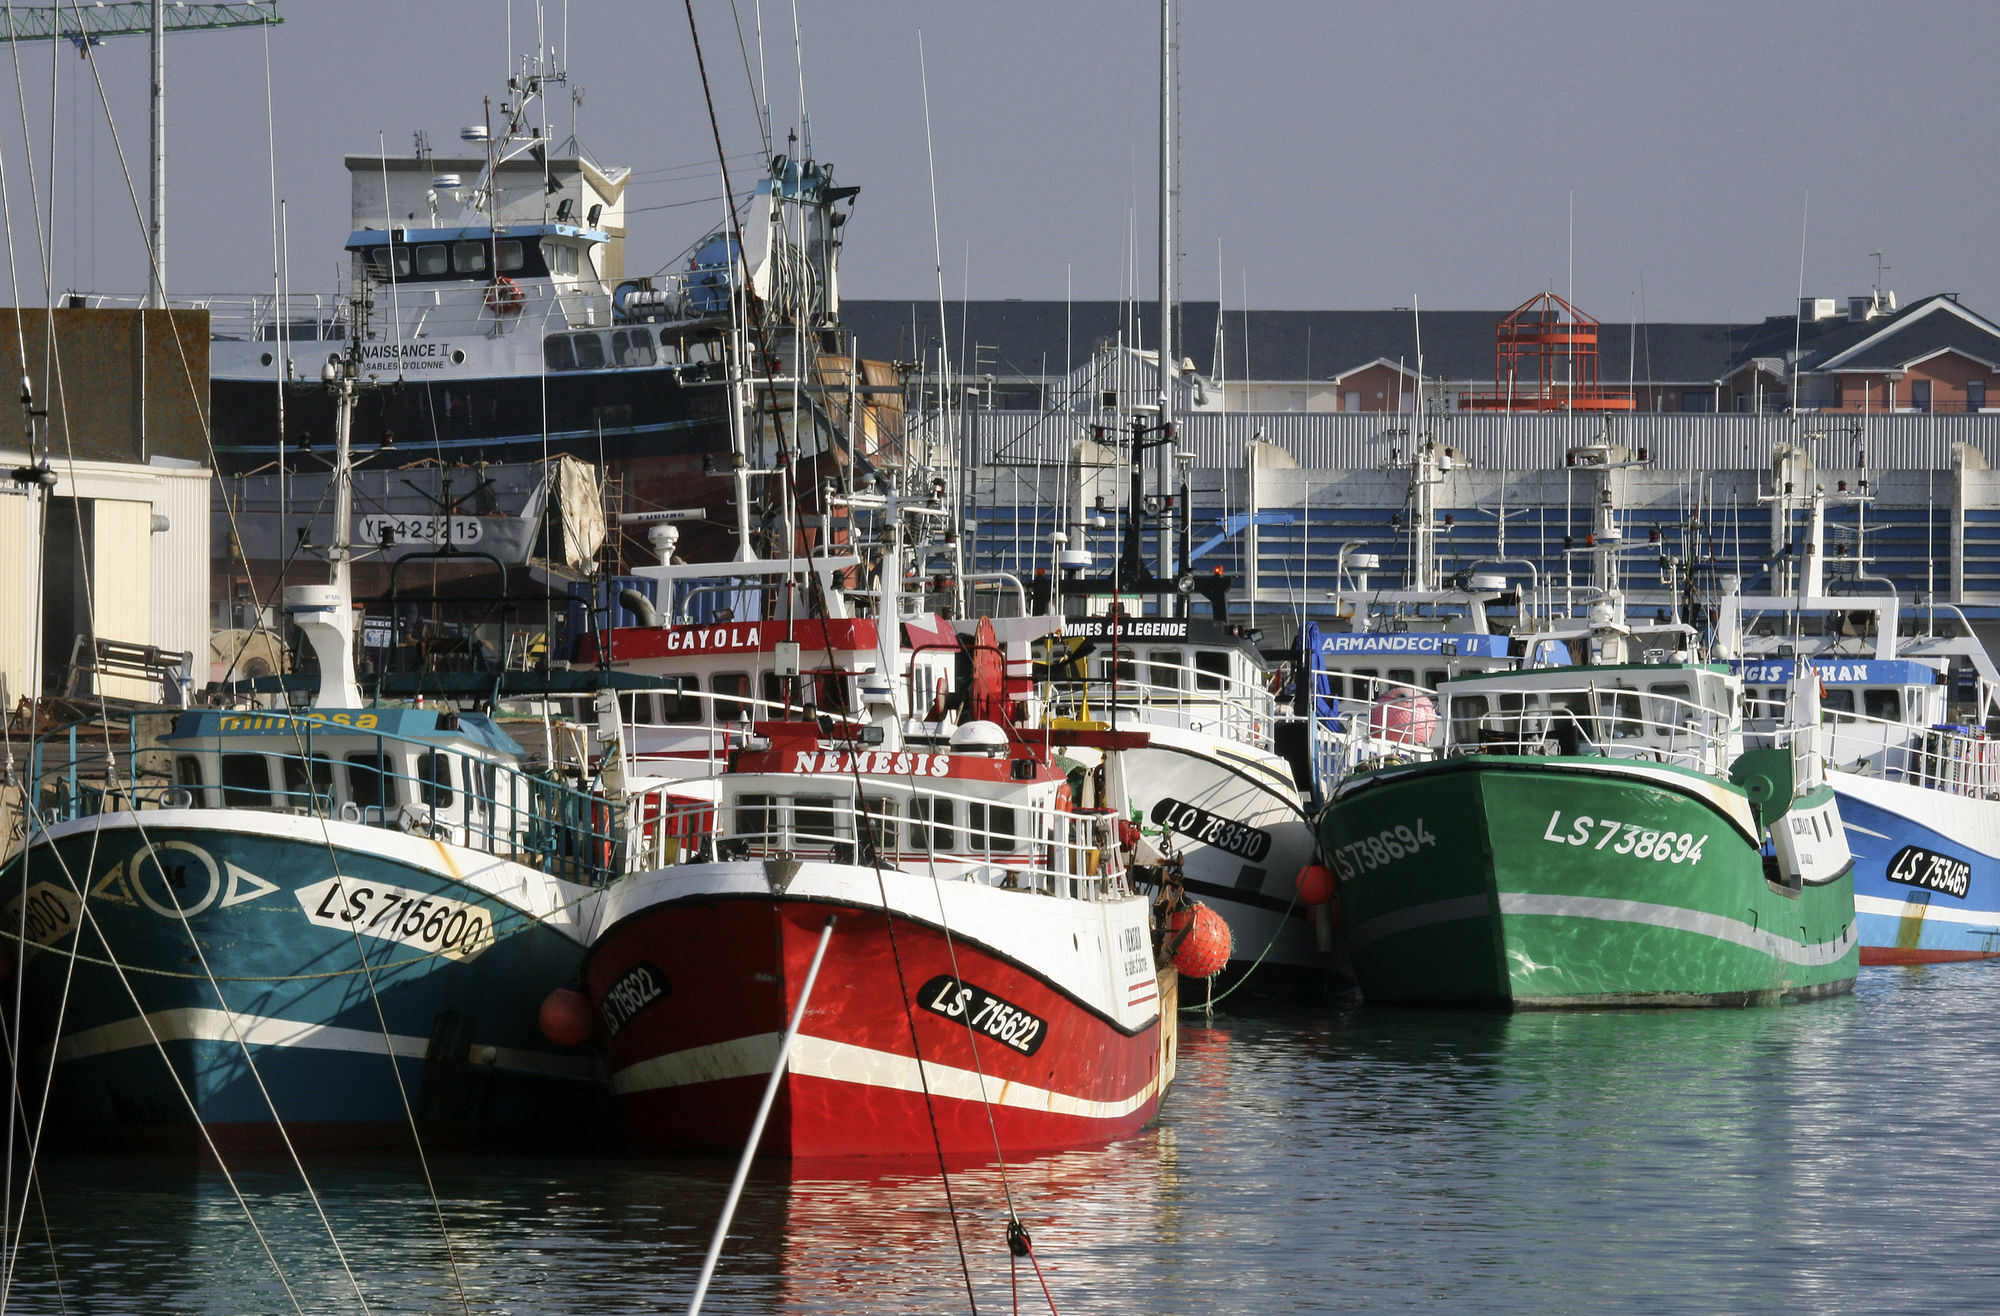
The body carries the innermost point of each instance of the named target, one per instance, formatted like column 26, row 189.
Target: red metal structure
column 1545, row 359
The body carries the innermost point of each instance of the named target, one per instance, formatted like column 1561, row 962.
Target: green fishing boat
column 1594, row 836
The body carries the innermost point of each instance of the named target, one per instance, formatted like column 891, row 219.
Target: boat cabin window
column 433, row 259
column 1466, row 710
column 882, row 814
column 931, row 824
column 732, row 695
column 308, row 791
column 681, row 704
column 1883, row 703
column 817, row 820
column 1673, row 704
column 1363, row 686
column 1121, row 668
column 756, row 817
column 246, row 781
column 1621, row 714
column 990, row 828
column 831, row 693
column 631, row 347
column 1211, row 669
column 578, row 351
column 1403, row 676
column 1165, row 669
column 1435, row 677
column 434, row 772
column 187, row 770
column 389, row 263
column 468, row 257
column 1838, row 704
column 513, row 258
column 367, row 779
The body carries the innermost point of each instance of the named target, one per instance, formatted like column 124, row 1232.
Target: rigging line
column 752, row 80
column 945, row 388
column 111, row 777
column 202, row 418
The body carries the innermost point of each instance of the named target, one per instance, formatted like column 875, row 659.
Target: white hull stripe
column 1983, row 918
column 1610, row 911
column 818, row 1057
column 209, row 1025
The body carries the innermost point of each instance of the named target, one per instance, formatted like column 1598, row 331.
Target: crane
column 88, row 24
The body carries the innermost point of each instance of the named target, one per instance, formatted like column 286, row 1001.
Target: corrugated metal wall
column 1366, row 440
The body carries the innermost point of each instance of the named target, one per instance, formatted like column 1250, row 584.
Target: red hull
column 1892, row 955
column 691, row 1064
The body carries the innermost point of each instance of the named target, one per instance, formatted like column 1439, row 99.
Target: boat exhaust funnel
column 323, row 613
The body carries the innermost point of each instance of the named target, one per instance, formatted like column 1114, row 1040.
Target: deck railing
column 375, row 779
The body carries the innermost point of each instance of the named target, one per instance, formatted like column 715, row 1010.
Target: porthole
column 264, row 359
column 457, row 357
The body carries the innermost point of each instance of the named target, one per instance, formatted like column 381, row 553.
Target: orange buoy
column 565, row 1018
column 1204, row 946
column 1315, row 884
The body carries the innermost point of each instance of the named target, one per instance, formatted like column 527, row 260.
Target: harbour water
column 1837, row 1156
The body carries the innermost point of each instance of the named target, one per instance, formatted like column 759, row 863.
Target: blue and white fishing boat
column 1906, row 698
column 341, row 921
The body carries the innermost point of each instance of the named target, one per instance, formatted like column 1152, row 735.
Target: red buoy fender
column 1204, row 946
column 504, row 296
column 566, row 1018
column 1314, row 884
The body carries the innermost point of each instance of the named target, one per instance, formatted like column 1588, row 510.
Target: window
column 1673, row 705
column 816, row 821
column 1466, row 710
column 1621, row 710
column 637, row 710
column 938, row 834
column 1839, row 393
column 754, row 818
column 512, row 258
column 632, row 347
column 1435, row 677
column 680, row 703
column 589, row 352
column 1211, row 669
column 1838, row 705
column 1920, row 394
column 187, row 770
column 1975, row 395
column 732, row 696
column 246, row 781
column 308, row 791
column 882, row 813
column 1122, row 668
column 432, row 260
column 1364, row 682
column 367, row 779
column 434, row 775
column 1697, row 401
column 558, row 352
column 1885, row 704
column 1165, row 669
column 1403, row 677
column 990, row 828
column 830, row 691
column 468, row 257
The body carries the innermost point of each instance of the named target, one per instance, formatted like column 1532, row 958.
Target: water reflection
column 1773, row 1159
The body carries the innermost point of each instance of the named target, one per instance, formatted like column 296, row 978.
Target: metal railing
column 374, row 779
column 1590, row 718
column 1169, row 694
column 1956, row 759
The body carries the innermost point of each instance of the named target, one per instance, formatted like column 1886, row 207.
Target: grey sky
column 1338, row 154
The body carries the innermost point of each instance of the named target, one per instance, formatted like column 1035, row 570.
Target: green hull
column 1516, row 893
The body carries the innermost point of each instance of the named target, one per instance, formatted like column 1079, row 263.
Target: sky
column 1671, row 161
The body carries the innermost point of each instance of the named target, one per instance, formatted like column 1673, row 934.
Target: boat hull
column 217, row 989
column 697, row 974
column 1235, row 817
column 1926, row 871
column 1534, row 885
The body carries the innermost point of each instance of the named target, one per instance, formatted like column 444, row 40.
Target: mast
column 157, row 297
column 1164, row 457
column 326, row 612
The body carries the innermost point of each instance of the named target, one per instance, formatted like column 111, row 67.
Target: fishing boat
column 969, row 963
column 1907, row 697
column 1595, row 834
column 333, row 924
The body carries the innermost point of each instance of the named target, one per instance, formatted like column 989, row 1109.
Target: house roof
column 1037, row 338
column 1923, row 329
